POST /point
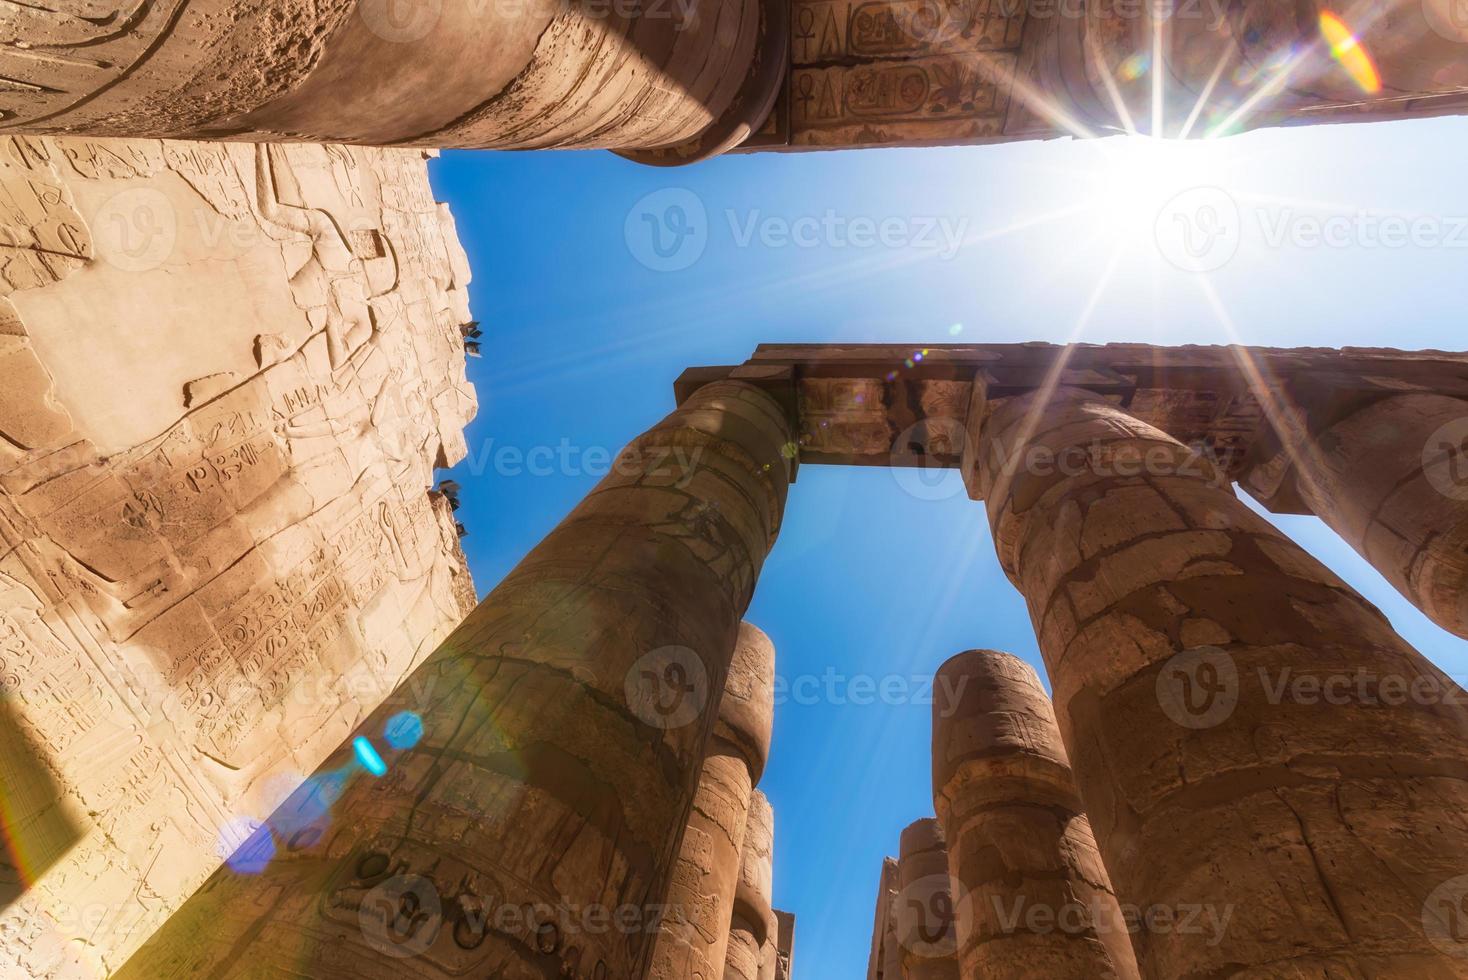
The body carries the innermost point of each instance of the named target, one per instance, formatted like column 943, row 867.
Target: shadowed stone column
column 1039, row 899
column 695, row 936
column 533, row 828
column 925, row 910
column 627, row 74
column 1391, row 478
column 1288, row 824
column 754, row 929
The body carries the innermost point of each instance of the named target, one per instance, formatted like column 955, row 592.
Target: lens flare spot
column 1135, row 67
column 367, row 755
column 1351, row 54
column 248, row 846
column 404, row 730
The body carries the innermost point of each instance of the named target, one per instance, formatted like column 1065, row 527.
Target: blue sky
column 1327, row 236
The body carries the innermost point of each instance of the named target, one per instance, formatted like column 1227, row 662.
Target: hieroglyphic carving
column 217, row 549
column 867, row 71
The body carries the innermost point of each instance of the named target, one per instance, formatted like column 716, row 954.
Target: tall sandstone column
column 694, row 937
column 1039, row 899
column 926, row 908
column 625, row 74
column 1391, row 477
column 753, row 931
column 533, row 829
column 1231, row 709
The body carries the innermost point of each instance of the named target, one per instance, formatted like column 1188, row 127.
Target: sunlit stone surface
column 226, row 374
column 1038, row 900
column 694, row 937
column 1297, row 828
column 536, row 826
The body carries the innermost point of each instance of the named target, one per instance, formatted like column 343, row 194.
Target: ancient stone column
column 626, row 74
column 1039, row 900
column 1391, row 477
column 1275, row 778
column 885, row 961
column 516, row 806
column 784, row 945
column 925, row 908
column 694, row 936
column 753, row 930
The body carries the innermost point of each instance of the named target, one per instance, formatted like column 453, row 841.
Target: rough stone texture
column 1389, row 473
column 221, row 400
column 564, row 724
column 754, row 932
column 694, row 937
column 1039, row 899
column 543, row 73
column 1252, row 412
column 784, row 945
column 984, row 71
column 1189, row 643
column 925, row 908
column 885, row 962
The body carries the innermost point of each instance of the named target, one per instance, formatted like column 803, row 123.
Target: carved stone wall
column 226, row 375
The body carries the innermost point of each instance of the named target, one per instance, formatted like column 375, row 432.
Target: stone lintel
column 915, row 405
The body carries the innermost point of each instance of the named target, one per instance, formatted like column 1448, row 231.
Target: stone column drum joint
column 563, row 727
column 693, row 938
column 1038, row 899
column 1258, row 781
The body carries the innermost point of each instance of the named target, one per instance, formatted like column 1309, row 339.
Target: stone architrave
column 227, row 374
column 1272, row 772
column 562, row 730
column 694, row 936
column 1039, row 899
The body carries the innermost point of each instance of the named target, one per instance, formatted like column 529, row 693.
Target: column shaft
column 1038, row 899
column 533, row 827
column 754, row 930
column 926, row 910
column 1274, row 776
column 537, row 74
column 1392, row 479
column 694, row 938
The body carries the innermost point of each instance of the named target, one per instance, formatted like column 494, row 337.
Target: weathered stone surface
column 784, row 945
column 754, row 932
column 226, row 375
column 535, row 827
column 1389, row 472
column 542, row 73
column 909, row 73
column 885, row 961
column 926, row 908
column 1039, row 900
column 694, row 937
column 1266, row 764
